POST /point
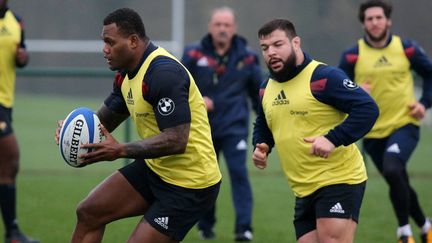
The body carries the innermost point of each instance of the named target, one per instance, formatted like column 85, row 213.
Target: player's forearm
column 359, row 122
column 110, row 119
column 170, row 141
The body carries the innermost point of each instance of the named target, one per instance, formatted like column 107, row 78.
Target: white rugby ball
column 81, row 126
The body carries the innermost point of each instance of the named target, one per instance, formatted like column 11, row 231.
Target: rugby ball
column 81, row 126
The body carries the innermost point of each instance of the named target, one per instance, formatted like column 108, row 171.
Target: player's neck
column 379, row 43
column 138, row 57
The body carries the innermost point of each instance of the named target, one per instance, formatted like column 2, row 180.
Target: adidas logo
column 4, row 31
column 382, row 62
column 129, row 99
column 281, row 99
column 394, row 148
column 242, row 145
column 162, row 221
column 337, row 208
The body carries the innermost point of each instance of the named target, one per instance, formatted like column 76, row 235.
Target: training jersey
column 161, row 94
column 388, row 70
column 315, row 102
column 11, row 36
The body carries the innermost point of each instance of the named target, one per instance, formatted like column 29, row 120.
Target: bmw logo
column 350, row 84
column 166, row 106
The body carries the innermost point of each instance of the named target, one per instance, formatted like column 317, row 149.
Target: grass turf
column 49, row 190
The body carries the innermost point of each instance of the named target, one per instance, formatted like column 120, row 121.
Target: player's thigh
column 146, row 233
column 341, row 202
column 9, row 151
column 375, row 148
column 402, row 143
column 338, row 210
column 338, row 230
column 112, row 199
column 8, row 142
column 9, row 158
column 310, row 237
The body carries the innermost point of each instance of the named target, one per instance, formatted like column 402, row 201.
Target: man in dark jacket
column 226, row 73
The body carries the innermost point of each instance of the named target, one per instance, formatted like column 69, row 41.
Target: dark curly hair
column 128, row 21
column 387, row 7
column 278, row 24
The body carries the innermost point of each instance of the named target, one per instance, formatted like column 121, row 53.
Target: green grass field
column 49, row 190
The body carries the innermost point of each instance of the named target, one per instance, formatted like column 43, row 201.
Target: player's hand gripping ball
column 81, row 126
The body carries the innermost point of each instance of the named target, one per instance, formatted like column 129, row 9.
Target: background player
column 381, row 63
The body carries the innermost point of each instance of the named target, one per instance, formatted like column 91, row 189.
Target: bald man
column 227, row 73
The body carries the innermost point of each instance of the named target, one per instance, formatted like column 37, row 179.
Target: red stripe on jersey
column 318, row 85
column 118, row 80
column 351, row 58
column 409, row 52
column 261, row 93
column 145, row 88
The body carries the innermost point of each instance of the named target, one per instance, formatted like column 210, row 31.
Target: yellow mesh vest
column 197, row 167
column 292, row 114
column 10, row 37
column 388, row 71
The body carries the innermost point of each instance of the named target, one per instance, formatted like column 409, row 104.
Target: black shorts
column 334, row 201
column 5, row 121
column 174, row 210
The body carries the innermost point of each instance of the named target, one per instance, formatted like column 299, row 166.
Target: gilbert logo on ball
column 80, row 127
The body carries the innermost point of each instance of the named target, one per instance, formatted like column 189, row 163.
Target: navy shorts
column 5, row 121
column 174, row 210
column 400, row 144
column 334, row 201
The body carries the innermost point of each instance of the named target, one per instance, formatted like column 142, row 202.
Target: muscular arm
column 261, row 131
column 344, row 95
column 170, row 141
column 111, row 120
column 422, row 64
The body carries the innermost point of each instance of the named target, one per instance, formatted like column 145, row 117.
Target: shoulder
column 324, row 71
column 164, row 63
column 263, row 86
column 165, row 68
column 411, row 47
column 244, row 52
column 328, row 76
column 194, row 50
column 350, row 55
column 17, row 17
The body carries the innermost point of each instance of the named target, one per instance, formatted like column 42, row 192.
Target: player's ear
column 296, row 41
column 133, row 41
